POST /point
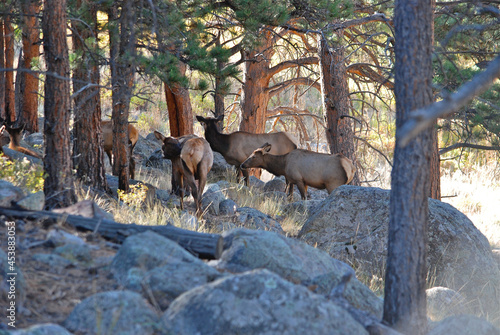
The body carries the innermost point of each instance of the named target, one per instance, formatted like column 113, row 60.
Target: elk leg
column 302, row 189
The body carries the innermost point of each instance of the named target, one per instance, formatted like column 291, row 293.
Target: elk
column 15, row 140
column 304, row 168
column 236, row 147
column 192, row 159
column 107, row 136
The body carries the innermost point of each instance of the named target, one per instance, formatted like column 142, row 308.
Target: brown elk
column 236, row 147
column 107, row 136
column 192, row 159
column 15, row 140
column 304, row 168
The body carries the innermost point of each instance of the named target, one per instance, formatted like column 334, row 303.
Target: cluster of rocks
column 268, row 283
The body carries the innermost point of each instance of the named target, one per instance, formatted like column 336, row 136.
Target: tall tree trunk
column 405, row 281
column 59, row 186
column 10, row 95
column 336, row 101
column 88, row 151
column 219, row 91
column 180, row 112
column 28, row 111
column 255, row 98
column 122, row 93
column 3, row 115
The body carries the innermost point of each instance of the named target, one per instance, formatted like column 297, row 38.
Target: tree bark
column 88, row 151
column 255, row 98
column 58, row 186
column 180, row 112
column 123, row 59
column 10, row 95
column 28, row 111
column 336, row 103
column 3, row 116
column 405, row 280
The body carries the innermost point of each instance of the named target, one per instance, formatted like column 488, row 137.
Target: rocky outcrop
column 352, row 225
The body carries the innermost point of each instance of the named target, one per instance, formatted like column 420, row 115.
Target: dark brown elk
column 107, row 137
column 304, row 168
column 192, row 159
column 236, row 147
column 15, row 140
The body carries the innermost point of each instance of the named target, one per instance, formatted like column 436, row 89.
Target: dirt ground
column 51, row 294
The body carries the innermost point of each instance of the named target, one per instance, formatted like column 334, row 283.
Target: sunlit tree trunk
column 28, row 111
column 255, row 98
column 336, row 101
column 88, row 152
column 58, row 186
column 405, row 280
column 180, row 112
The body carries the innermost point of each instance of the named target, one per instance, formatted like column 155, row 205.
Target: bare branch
column 424, row 117
column 467, row 145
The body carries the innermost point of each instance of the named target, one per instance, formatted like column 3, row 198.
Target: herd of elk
column 236, row 147
column 304, row 168
column 107, row 137
column 192, row 159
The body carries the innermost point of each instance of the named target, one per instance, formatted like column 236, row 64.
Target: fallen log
column 202, row 245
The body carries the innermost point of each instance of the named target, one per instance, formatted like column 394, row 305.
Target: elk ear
column 266, row 147
column 219, row 118
column 159, row 136
column 200, row 119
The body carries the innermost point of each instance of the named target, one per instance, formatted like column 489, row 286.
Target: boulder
column 352, row 225
column 113, row 312
column 146, row 251
column 33, row 201
column 295, row 261
column 248, row 217
column 9, row 193
column 256, row 302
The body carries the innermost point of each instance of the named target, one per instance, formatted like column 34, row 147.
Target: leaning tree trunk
column 88, row 157
column 28, row 111
column 58, row 186
column 180, row 112
column 10, row 95
column 336, row 101
column 405, row 280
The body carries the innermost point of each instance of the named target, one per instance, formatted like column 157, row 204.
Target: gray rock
column 212, row 197
column 255, row 182
column 35, row 139
column 33, row 202
column 9, row 193
column 156, row 160
column 146, row 251
column 220, row 168
column 60, row 237
column 55, row 262
column 227, row 207
column 43, row 329
column 169, row 281
column 254, row 219
column 464, row 325
column 458, row 255
column 114, row 312
column 275, row 185
column 76, row 253
column 443, row 302
column 295, row 261
column 257, row 302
